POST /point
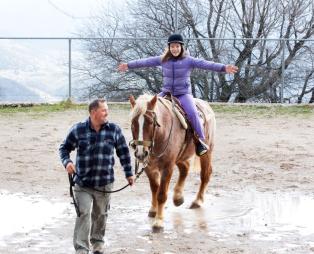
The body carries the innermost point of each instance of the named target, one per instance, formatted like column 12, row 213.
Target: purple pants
column 188, row 104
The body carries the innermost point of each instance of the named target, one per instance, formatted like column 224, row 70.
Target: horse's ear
column 132, row 100
column 153, row 102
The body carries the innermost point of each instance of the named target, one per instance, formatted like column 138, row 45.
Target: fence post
column 70, row 68
column 282, row 70
column 176, row 17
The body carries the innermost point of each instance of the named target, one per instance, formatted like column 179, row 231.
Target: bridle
column 150, row 144
column 147, row 143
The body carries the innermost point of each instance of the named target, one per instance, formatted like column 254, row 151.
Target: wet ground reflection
column 244, row 217
column 247, row 211
column 280, row 221
column 20, row 213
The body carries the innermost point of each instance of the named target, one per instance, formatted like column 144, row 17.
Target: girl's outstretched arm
column 141, row 63
column 209, row 65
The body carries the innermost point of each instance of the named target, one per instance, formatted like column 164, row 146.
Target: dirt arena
column 260, row 198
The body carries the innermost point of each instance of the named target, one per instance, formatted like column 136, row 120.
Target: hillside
column 12, row 91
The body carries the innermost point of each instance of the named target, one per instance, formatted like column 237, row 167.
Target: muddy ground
column 260, row 198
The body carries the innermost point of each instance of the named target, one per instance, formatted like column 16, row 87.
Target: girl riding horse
column 176, row 69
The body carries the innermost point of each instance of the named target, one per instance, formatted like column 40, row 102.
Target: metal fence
column 50, row 66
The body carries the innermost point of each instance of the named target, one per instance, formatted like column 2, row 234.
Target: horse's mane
column 141, row 105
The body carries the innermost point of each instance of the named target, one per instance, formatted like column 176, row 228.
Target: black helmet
column 175, row 38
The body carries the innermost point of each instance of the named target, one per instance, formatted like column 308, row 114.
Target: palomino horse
column 161, row 143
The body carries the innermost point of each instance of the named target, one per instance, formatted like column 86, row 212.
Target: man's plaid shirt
column 95, row 153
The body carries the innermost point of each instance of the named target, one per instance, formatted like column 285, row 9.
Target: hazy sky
column 43, row 64
column 48, row 18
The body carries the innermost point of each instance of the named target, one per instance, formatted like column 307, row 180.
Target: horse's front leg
column 162, row 198
column 154, row 181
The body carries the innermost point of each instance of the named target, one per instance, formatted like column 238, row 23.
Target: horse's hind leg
column 178, row 198
column 206, row 171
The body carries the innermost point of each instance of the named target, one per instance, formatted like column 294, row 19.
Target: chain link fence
column 45, row 70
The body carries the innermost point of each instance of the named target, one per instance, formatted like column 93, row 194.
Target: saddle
column 179, row 111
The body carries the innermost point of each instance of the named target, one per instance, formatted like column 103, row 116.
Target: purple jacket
column 176, row 72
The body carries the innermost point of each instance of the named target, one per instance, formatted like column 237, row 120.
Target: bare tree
column 304, row 90
column 260, row 60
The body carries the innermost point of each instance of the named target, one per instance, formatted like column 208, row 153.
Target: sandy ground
column 260, row 198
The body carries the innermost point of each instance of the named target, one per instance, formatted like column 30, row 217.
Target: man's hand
column 130, row 180
column 70, row 168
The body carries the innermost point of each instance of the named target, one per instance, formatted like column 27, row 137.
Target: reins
column 153, row 143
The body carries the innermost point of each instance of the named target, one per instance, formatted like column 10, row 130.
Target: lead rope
column 77, row 210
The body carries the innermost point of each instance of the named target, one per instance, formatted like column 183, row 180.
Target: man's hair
column 95, row 104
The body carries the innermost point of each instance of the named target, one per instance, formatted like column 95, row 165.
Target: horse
column 161, row 143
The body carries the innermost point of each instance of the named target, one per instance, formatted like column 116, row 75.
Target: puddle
column 246, row 214
column 265, row 216
column 20, row 213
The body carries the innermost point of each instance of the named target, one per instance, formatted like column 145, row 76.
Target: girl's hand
column 123, row 67
column 231, row 69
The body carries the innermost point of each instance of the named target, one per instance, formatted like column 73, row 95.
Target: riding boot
column 201, row 147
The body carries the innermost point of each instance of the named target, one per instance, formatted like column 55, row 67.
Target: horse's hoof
column 178, row 202
column 158, row 225
column 195, row 205
column 157, row 229
column 151, row 214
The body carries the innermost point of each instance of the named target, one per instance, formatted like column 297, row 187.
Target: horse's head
column 143, row 126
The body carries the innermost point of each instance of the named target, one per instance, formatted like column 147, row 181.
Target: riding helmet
column 175, row 38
